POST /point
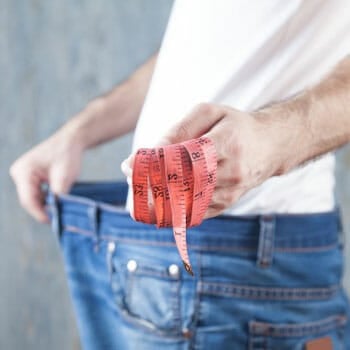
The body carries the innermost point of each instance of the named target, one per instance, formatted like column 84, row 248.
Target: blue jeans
column 261, row 282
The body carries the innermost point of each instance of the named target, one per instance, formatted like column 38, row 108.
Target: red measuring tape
column 173, row 186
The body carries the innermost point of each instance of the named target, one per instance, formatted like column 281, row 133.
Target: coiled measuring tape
column 173, row 186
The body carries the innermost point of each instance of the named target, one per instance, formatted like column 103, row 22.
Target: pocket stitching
column 123, row 310
column 297, row 330
column 267, row 293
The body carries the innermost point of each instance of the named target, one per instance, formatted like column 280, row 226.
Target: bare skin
column 57, row 160
column 251, row 147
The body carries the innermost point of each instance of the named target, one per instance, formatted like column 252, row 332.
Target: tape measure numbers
column 173, row 186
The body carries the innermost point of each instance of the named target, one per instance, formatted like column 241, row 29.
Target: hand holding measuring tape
column 203, row 165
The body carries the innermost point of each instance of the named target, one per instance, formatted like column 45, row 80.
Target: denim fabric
column 261, row 282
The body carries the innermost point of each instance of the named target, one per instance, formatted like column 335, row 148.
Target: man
column 269, row 83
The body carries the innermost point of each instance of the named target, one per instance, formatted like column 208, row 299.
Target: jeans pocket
column 296, row 336
column 146, row 290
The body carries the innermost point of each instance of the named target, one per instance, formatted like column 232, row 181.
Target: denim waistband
column 96, row 209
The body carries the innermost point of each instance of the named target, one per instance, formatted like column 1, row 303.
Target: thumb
column 201, row 119
column 127, row 165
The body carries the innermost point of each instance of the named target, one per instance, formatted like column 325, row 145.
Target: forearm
column 313, row 123
column 113, row 114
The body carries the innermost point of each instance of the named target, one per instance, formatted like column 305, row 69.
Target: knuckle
column 204, row 108
column 225, row 197
column 14, row 170
column 234, row 149
column 231, row 174
column 218, row 207
column 181, row 131
column 234, row 180
column 228, row 196
column 63, row 181
column 19, row 168
column 25, row 200
column 211, row 212
column 236, row 176
column 60, row 180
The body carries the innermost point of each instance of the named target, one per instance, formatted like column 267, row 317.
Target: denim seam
column 83, row 199
column 257, row 342
column 74, row 199
column 268, row 293
column 197, row 305
column 76, row 230
column 128, row 290
column 300, row 240
column 307, row 237
column 87, row 233
column 307, row 249
column 175, row 285
column 137, row 322
column 218, row 248
column 154, row 273
column 296, row 330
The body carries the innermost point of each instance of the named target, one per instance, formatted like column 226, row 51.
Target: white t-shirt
column 245, row 54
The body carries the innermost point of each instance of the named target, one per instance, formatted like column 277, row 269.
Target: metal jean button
column 174, row 270
column 131, row 265
column 111, row 247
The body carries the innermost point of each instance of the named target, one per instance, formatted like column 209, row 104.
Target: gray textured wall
column 54, row 56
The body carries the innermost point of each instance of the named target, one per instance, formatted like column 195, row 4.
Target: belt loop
column 266, row 240
column 55, row 214
column 93, row 214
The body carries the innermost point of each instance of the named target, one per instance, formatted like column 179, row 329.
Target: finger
column 227, row 137
column 212, row 213
column 131, row 207
column 31, row 197
column 60, row 180
column 197, row 123
column 127, row 165
column 129, row 180
column 229, row 174
column 223, row 198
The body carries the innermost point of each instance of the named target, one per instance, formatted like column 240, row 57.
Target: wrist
column 284, row 129
column 80, row 131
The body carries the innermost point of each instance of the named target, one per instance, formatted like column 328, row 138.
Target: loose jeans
column 261, row 282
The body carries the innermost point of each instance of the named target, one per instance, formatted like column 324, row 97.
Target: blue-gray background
column 54, row 57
